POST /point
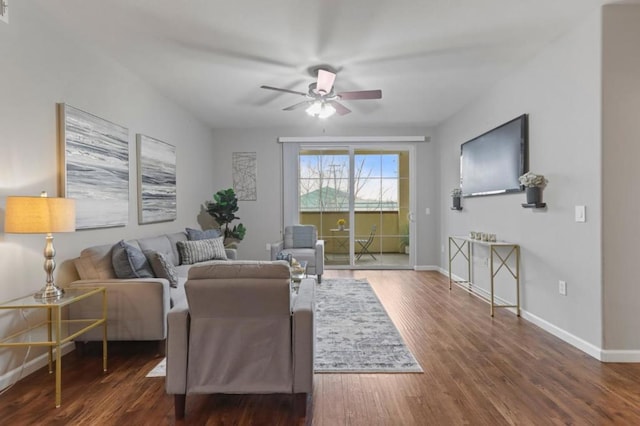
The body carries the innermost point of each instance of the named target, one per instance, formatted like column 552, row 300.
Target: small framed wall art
column 245, row 175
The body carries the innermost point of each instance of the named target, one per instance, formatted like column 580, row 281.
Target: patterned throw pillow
column 201, row 250
column 196, row 234
column 162, row 268
column 129, row 261
column 283, row 255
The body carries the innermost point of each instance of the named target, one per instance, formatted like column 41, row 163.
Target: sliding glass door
column 358, row 198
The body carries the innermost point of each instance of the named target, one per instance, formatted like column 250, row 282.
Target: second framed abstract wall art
column 156, row 180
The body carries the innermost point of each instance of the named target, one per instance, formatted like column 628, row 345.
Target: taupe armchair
column 303, row 244
column 242, row 332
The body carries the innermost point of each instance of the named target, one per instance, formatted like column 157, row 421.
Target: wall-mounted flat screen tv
column 492, row 162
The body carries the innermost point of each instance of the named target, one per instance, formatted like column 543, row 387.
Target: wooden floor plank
column 478, row 370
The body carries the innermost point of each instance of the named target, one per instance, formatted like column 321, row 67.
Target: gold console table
column 52, row 326
column 499, row 253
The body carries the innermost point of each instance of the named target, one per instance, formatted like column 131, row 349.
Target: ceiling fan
column 321, row 99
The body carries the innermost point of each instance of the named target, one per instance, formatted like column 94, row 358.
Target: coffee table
column 299, row 272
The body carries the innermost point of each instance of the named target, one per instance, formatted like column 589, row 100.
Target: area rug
column 354, row 333
column 159, row 370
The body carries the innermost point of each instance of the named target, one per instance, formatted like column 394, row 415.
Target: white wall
column 263, row 217
column 560, row 90
column 621, row 151
column 39, row 68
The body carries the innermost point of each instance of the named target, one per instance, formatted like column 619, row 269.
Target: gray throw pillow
column 129, row 261
column 202, row 250
column 196, row 234
column 303, row 236
column 162, row 267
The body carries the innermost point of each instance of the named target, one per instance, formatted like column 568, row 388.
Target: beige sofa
column 137, row 307
column 242, row 331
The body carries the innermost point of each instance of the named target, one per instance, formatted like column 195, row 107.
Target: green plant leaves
column 223, row 209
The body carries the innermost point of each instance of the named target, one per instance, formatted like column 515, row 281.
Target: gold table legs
column 497, row 262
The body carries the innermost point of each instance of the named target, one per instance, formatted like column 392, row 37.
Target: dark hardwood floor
column 478, row 370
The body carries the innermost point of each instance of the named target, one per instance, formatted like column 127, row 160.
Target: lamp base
column 49, row 293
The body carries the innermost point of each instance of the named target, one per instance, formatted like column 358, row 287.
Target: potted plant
column 223, row 208
column 341, row 222
column 456, row 193
column 404, row 238
column 533, row 184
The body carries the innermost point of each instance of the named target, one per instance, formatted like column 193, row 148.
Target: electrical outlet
column 562, row 287
column 442, row 248
column 485, row 261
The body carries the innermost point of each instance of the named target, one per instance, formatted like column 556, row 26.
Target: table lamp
column 42, row 215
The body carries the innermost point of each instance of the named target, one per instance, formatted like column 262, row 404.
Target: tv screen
column 492, row 162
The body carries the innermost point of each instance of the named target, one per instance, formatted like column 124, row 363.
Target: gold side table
column 56, row 328
column 500, row 252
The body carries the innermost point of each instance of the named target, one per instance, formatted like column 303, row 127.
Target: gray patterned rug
column 354, row 333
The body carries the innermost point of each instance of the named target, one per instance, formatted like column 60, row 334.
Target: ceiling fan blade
column 296, row 106
column 340, row 109
column 361, row 94
column 325, row 81
column 277, row 89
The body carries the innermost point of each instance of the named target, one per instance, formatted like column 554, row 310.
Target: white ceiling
column 429, row 57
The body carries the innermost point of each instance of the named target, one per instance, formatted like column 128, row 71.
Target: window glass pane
column 389, row 165
column 335, row 196
column 309, row 166
column 403, row 169
column 367, row 166
column 389, row 194
column 334, row 166
column 367, row 195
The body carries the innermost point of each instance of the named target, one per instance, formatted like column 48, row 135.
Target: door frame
column 291, row 147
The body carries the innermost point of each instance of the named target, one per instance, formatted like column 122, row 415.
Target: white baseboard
column 562, row 334
column 12, row 376
column 426, row 268
column 612, row 355
column 604, row 355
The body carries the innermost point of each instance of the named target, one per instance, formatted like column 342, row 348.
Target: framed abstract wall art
column 245, row 175
column 156, row 180
column 94, row 168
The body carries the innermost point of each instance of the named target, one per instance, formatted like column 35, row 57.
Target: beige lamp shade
column 39, row 215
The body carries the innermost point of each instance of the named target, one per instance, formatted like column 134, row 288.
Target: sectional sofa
column 144, row 279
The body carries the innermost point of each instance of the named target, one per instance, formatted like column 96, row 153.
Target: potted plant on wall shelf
column 456, row 193
column 534, row 184
column 223, row 208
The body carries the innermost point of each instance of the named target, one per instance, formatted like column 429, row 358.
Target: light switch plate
column 562, row 287
column 581, row 213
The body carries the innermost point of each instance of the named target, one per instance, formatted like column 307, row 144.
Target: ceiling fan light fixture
column 321, row 110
